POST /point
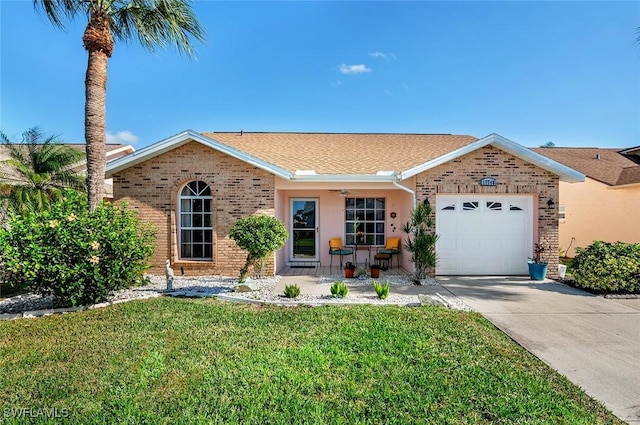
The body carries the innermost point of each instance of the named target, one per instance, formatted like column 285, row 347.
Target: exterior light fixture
column 393, row 214
column 551, row 204
column 426, row 202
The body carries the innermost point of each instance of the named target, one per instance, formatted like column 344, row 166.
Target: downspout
column 413, row 196
column 406, row 189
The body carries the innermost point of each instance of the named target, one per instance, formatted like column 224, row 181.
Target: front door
column 304, row 225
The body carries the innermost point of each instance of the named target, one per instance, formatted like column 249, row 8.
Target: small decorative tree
column 421, row 241
column 259, row 235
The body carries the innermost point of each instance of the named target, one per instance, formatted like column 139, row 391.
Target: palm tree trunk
column 98, row 41
column 95, row 122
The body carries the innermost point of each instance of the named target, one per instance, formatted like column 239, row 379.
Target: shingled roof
column 352, row 157
column 606, row 165
column 343, row 153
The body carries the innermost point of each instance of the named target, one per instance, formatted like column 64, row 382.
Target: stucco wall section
column 513, row 176
column 238, row 190
column 594, row 211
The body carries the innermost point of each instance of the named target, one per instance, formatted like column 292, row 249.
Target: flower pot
column 538, row 271
column 348, row 272
column 375, row 272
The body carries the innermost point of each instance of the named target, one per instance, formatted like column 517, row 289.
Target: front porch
column 313, row 269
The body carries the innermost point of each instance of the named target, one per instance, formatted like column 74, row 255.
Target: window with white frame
column 364, row 221
column 196, row 221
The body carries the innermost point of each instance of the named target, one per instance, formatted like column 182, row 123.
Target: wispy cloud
column 405, row 85
column 125, row 137
column 354, row 69
column 381, row 55
column 337, row 83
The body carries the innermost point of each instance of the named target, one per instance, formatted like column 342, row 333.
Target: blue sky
column 534, row 72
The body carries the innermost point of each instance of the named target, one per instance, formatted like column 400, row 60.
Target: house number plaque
column 488, row 181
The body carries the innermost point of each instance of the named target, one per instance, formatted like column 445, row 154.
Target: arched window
column 196, row 221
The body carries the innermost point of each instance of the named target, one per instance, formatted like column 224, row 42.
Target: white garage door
column 483, row 235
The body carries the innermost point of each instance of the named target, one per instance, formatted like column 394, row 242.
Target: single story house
column 493, row 198
column 606, row 206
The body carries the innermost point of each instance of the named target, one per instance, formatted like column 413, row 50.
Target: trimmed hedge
column 608, row 267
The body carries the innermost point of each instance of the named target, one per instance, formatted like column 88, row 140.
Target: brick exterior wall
column 513, row 176
column 238, row 190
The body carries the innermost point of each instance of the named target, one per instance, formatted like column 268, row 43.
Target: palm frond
column 157, row 24
column 59, row 10
column 38, row 171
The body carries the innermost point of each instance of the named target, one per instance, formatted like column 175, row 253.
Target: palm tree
column 37, row 172
column 155, row 23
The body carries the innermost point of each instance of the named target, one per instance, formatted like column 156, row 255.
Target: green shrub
column 421, row 240
column 339, row 289
column 381, row 290
column 259, row 235
column 608, row 267
column 76, row 255
column 291, row 291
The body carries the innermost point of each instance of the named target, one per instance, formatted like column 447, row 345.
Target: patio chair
column 391, row 248
column 336, row 248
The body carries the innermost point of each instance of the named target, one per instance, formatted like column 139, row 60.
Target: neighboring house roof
column 613, row 167
column 113, row 151
column 631, row 151
column 343, row 156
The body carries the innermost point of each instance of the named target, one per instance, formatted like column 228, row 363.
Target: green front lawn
column 184, row 361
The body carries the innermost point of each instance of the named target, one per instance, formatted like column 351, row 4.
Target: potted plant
column 361, row 273
column 537, row 265
column 375, row 270
column 349, row 270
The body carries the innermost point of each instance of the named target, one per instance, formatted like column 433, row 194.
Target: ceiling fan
column 342, row 192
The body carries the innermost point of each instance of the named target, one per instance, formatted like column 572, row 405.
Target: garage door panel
column 493, row 244
column 512, row 245
column 447, row 263
column 449, row 226
column 468, row 223
column 469, row 245
column 447, row 243
column 492, row 236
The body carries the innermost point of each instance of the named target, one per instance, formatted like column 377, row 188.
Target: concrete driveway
column 593, row 341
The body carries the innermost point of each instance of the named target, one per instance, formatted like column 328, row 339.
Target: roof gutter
column 342, row 178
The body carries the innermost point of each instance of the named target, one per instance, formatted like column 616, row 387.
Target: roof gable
column 182, row 138
column 564, row 172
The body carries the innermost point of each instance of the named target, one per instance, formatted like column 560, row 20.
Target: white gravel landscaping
column 206, row 286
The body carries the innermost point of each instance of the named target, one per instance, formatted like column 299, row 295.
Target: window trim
column 349, row 237
column 180, row 213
